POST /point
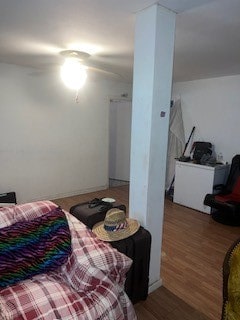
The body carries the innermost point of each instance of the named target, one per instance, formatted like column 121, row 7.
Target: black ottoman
column 137, row 247
column 94, row 211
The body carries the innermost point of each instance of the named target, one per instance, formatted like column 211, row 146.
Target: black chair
column 226, row 199
column 8, row 198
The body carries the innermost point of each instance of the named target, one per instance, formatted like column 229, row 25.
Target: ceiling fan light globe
column 73, row 74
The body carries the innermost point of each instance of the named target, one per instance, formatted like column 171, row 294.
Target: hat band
column 120, row 226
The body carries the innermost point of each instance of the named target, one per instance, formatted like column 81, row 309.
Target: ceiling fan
column 79, row 61
column 73, row 72
column 75, row 67
column 75, row 54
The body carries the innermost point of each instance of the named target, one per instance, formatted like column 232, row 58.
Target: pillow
column 28, row 248
column 24, row 212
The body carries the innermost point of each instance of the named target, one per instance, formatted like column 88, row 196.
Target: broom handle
column 185, row 148
column 186, row 145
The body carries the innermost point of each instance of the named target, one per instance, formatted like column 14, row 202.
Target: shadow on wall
column 117, row 183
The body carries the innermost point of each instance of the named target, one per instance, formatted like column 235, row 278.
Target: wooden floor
column 193, row 250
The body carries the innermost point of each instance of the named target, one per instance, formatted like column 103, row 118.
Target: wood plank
column 193, row 250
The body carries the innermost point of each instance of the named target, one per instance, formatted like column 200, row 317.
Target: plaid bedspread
column 88, row 287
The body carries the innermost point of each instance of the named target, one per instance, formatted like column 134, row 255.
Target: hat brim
column 101, row 233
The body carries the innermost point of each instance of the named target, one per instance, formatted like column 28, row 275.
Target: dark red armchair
column 225, row 202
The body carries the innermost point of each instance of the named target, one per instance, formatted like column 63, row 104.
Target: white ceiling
column 32, row 32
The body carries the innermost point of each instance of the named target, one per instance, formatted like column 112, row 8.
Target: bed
column 53, row 267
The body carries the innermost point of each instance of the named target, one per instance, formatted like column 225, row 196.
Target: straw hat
column 115, row 226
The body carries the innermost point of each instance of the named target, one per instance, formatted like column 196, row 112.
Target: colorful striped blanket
column 28, row 248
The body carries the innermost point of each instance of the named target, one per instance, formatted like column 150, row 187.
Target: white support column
column 153, row 63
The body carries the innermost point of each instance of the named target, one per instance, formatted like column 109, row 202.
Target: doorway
column 120, row 118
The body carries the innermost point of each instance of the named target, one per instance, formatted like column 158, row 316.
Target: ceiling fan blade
column 103, row 71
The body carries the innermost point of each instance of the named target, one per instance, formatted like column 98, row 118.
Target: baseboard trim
column 65, row 195
column 154, row 286
column 77, row 192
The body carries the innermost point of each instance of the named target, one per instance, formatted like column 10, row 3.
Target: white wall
column 50, row 146
column 213, row 106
